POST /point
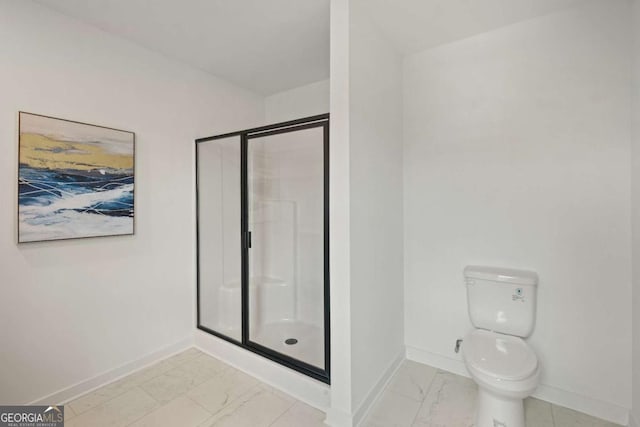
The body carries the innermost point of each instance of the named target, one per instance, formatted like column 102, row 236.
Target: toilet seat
column 499, row 356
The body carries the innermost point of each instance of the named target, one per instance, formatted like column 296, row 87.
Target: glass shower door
column 286, row 256
column 219, row 237
column 263, row 241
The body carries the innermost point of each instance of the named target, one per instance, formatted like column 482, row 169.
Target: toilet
column 502, row 308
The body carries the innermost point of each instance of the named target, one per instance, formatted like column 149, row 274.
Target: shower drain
column 291, row 341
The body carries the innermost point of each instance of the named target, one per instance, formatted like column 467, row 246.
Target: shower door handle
column 247, row 240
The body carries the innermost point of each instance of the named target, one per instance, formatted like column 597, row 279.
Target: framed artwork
column 75, row 180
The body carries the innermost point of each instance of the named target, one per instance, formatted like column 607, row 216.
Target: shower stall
column 262, row 207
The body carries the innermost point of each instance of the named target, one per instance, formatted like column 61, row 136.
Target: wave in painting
column 68, row 204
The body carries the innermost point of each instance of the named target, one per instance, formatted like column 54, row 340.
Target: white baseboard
column 337, row 418
column 594, row 407
column 632, row 421
column 437, row 361
column 78, row 389
column 374, row 394
column 302, row 387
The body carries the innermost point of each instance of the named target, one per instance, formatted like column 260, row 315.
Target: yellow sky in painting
column 50, row 143
column 39, row 151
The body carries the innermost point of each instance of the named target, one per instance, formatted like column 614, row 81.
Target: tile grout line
column 101, row 403
column 177, row 366
column 249, row 397
column 553, row 418
column 270, row 391
column 228, row 403
column 282, row 415
column 198, row 403
column 160, row 405
column 147, row 413
column 426, row 393
column 438, row 396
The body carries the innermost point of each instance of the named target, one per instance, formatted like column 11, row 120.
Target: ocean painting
column 75, row 180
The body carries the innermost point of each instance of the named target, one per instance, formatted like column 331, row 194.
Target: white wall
column 366, row 215
column 71, row 310
column 635, row 200
column 517, row 155
column 377, row 328
column 339, row 412
column 303, row 101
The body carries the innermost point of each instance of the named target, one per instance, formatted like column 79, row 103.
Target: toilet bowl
column 506, row 370
column 502, row 308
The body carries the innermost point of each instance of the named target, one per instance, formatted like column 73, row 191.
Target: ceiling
column 263, row 45
column 415, row 25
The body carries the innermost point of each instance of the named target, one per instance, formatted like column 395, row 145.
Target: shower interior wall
column 307, row 235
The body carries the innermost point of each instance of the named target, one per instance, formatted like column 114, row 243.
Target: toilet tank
column 501, row 299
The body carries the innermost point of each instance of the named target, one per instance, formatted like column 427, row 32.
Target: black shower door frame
column 319, row 121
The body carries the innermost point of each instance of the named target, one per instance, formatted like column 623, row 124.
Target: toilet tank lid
column 497, row 274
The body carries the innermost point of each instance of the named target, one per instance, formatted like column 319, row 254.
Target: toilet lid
column 498, row 355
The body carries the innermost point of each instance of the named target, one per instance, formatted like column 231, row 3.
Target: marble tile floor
column 193, row 389
column 190, row 389
column 422, row 396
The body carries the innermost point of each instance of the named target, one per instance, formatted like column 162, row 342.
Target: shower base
column 309, row 339
column 308, row 348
